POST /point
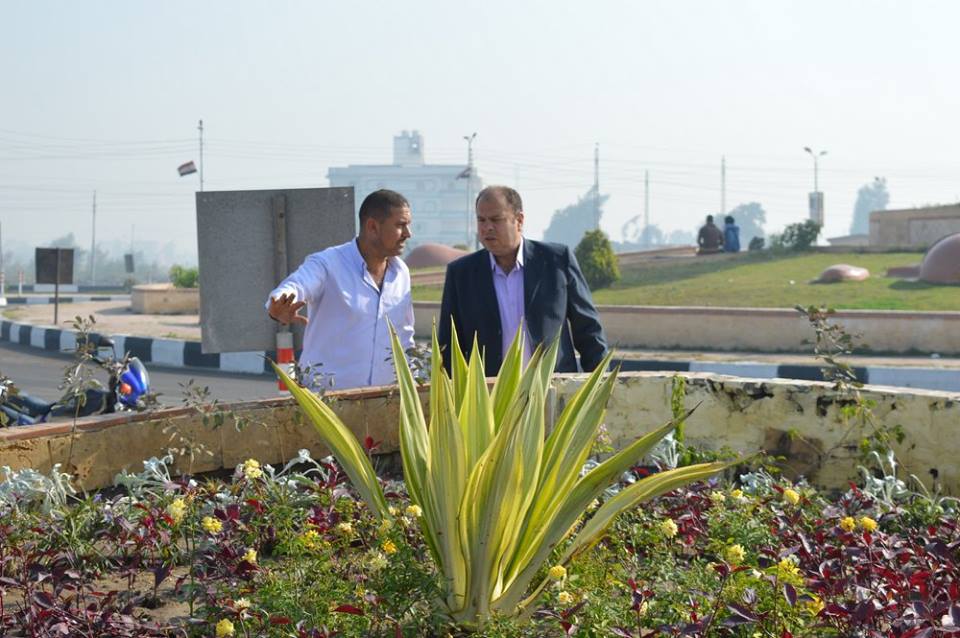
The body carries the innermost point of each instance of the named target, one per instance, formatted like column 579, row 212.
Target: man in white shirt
column 350, row 292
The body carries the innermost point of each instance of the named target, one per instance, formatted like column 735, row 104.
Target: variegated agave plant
column 499, row 496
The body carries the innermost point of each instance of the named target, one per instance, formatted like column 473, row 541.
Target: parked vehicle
column 127, row 386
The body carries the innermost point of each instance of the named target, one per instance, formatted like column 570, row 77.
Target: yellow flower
column 211, row 524
column 734, row 554
column 311, row 539
column 250, row 556
column 564, row 598
column 813, row 607
column 557, row 572
column 225, row 628
column 242, row 604
column 868, row 524
column 251, row 469
column 389, row 547
column 386, row 525
column 393, row 510
column 788, row 571
column 717, row 498
column 791, row 496
column 668, row 528
column 413, row 511
column 345, row 528
column 848, row 524
column 177, row 510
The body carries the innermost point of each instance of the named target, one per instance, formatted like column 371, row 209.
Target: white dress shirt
column 347, row 338
column 510, row 302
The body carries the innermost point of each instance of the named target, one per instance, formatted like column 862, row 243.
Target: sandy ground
column 112, row 317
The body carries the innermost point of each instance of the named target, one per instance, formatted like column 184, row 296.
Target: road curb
column 178, row 353
column 40, row 301
column 171, row 353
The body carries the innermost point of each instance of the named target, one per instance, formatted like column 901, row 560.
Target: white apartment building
column 437, row 193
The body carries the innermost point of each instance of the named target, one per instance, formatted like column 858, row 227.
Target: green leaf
column 342, row 443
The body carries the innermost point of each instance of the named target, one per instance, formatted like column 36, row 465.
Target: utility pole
column 646, row 199
column 200, row 128
column 469, row 206
column 93, row 244
column 596, row 186
column 723, row 185
column 3, row 272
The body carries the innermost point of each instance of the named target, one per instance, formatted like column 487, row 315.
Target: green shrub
column 796, row 237
column 597, row 261
column 184, row 277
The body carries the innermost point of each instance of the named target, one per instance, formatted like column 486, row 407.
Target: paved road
column 38, row 373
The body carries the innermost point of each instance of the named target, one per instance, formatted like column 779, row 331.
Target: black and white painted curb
column 40, row 301
column 945, row 379
column 178, row 353
column 173, row 353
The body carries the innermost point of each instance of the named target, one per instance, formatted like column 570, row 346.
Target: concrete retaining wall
column 164, row 299
column 796, row 419
column 758, row 329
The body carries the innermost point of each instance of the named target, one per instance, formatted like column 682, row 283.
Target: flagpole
column 200, row 128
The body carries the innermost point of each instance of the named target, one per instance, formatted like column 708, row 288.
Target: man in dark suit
column 489, row 292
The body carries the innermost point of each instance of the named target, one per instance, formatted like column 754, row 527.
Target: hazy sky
column 106, row 95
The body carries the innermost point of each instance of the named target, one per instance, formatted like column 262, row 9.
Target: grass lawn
column 767, row 281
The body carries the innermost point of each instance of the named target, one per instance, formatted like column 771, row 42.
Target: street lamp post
column 469, row 173
column 816, row 158
column 816, row 197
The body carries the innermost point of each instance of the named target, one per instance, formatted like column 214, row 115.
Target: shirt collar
column 360, row 263
column 519, row 266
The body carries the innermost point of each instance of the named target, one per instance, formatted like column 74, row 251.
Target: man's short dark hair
column 709, row 219
column 378, row 204
column 511, row 196
column 728, row 219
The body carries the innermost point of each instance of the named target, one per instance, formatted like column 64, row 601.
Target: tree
column 750, row 218
column 796, row 236
column 569, row 224
column 597, row 261
column 651, row 236
column 870, row 197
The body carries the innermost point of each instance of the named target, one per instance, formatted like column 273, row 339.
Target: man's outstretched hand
column 285, row 309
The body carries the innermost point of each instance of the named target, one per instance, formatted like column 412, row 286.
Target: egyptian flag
column 186, row 169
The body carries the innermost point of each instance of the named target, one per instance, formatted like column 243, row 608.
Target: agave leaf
column 508, row 379
column 446, row 485
column 414, row 444
column 476, row 413
column 342, row 443
column 499, row 491
column 458, row 366
column 533, row 553
column 643, row 490
column 566, row 450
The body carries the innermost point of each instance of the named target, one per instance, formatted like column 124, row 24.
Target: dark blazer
column 556, row 301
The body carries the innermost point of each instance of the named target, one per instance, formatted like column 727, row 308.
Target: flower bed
column 293, row 553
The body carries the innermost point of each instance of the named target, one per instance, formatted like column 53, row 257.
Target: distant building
column 913, row 227
column 437, row 192
column 850, row 240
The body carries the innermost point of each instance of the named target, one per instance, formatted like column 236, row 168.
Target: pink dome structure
column 941, row 264
column 431, row 255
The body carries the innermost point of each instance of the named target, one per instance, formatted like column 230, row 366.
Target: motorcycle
column 127, row 388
